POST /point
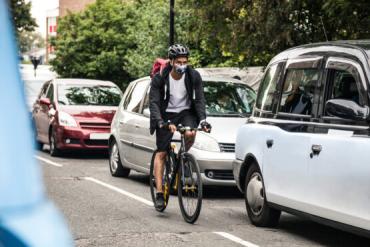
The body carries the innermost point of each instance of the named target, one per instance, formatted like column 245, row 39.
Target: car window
column 146, row 99
column 267, row 88
column 344, row 81
column 126, row 95
column 85, row 94
column 298, row 91
column 43, row 90
column 50, row 93
column 227, row 98
column 136, row 95
column 344, row 87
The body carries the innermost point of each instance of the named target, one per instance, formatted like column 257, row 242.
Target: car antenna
column 323, row 27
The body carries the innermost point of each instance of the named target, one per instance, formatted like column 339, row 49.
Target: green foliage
column 30, row 40
column 94, row 43
column 21, row 12
column 118, row 40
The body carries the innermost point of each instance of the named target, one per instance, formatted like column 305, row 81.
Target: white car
column 306, row 147
column 228, row 103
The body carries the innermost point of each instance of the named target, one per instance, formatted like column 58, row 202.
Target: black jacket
column 158, row 98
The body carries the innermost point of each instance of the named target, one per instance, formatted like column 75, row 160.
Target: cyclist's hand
column 172, row 128
column 206, row 126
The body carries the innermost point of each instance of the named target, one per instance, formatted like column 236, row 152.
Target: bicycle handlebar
column 180, row 128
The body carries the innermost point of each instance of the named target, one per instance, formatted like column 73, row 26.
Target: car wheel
column 54, row 151
column 115, row 165
column 259, row 212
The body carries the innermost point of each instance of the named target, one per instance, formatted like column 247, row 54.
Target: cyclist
column 176, row 97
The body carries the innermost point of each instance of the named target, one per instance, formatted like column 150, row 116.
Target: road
column 105, row 211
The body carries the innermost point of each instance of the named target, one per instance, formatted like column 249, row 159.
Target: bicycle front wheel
column 190, row 189
column 165, row 183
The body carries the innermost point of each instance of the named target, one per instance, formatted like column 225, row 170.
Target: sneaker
column 159, row 201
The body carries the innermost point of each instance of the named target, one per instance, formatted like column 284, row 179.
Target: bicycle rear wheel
column 165, row 183
column 190, row 189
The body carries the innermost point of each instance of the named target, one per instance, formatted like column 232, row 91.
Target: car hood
column 90, row 113
column 224, row 129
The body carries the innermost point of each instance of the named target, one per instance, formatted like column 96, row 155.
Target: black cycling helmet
column 178, row 50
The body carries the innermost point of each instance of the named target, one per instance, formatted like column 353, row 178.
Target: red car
column 75, row 114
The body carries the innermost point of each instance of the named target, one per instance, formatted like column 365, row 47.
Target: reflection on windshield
column 88, row 95
column 223, row 98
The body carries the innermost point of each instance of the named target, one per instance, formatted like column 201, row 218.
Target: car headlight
column 205, row 142
column 66, row 120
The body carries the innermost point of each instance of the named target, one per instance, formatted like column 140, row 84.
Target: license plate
column 99, row 136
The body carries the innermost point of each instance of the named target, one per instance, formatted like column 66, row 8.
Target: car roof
column 350, row 48
column 65, row 81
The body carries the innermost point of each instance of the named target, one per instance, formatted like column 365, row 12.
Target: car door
column 40, row 114
column 288, row 139
column 128, row 124
column 144, row 142
column 340, row 167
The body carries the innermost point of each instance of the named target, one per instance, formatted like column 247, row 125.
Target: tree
column 251, row 32
column 94, row 43
column 21, row 12
column 29, row 40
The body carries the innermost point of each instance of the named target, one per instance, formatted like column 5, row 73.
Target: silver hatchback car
column 228, row 104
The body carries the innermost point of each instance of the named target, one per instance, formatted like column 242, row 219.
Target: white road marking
column 146, row 202
column 48, row 161
column 235, row 239
column 123, row 192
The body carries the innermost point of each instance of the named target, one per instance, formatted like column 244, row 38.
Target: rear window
column 88, row 95
column 226, row 98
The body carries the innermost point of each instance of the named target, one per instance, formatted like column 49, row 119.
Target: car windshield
column 88, row 95
column 226, row 98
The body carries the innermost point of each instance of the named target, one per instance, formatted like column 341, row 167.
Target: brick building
column 72, row 5
column 52, row 19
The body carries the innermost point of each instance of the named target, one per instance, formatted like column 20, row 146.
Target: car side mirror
column 146, row 112
column 347, row 109
column 45, row 101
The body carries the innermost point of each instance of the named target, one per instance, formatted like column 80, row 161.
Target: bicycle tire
column 195, row 190
column 165, row 181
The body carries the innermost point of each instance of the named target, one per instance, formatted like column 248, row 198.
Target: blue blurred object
column 27, row 217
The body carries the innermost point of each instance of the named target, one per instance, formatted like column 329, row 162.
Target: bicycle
column 181, row 174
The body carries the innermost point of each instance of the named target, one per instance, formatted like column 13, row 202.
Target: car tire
column 259, row 212
column 115, row 165
column 54, row 151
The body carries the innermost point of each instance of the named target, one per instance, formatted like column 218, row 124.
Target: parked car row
column 299, row 146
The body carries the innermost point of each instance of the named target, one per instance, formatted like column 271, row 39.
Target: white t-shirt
column 179, row 99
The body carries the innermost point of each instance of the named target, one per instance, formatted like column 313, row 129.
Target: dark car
column 75, row 114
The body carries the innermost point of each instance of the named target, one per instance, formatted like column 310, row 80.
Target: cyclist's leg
column 163, row 140
column 158, row 169
column 189, row 119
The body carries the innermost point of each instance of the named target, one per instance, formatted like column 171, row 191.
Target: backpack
column 158, row 65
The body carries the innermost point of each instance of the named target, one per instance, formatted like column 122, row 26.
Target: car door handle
column 316, row 149
column 137, row 126
column 269, row 143
column 121, row 122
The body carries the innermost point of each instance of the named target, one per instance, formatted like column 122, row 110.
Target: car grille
column 89, row 142
column 220, row 174
column 227, row 147
column 85, row 125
